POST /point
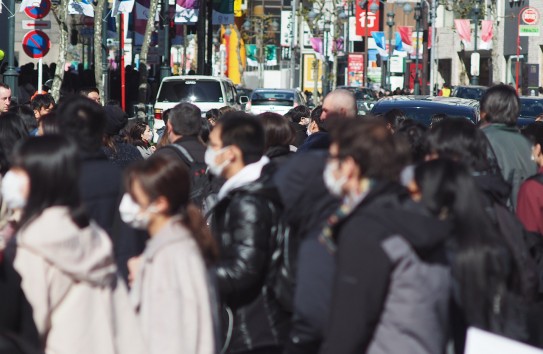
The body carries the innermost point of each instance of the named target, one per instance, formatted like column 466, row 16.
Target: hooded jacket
column 392, row 285
column 69, row 277
column 246, row 222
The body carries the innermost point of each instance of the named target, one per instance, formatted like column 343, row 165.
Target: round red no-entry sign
column 530, row 16
column 36, row 44
column 40, row 9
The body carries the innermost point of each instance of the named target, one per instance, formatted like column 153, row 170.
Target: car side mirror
column 243, row 99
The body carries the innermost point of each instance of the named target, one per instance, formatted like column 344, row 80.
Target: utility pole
column 11, row 77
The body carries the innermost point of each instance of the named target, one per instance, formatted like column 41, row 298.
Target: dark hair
column 296, row 114
column 460, row 140
column 438, row 117
column 53, row 167
column 12, row 130
column 135, row 132
column 394, row 118
column 277, row 130
column 42, row 101
column 166, row 115
column 82, row 120
column 534, row 133
column 372, row 147
column 85, row 91
column 213, row 113
column 480, row 265
column 27, row 115
column 160, row 176
column 316, row 117
column 49, row 124
column 415, row 135
column 186, row 119
column 245, row 132
column 225, row 109
column 500, row 104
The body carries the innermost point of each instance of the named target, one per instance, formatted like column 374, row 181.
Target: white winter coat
column 69, row 277
column 171, row 294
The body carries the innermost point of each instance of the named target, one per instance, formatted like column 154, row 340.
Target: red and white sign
column 36, row 44
column 369, row 20
column 530, row 16
column 39, row 9
column 355, row 69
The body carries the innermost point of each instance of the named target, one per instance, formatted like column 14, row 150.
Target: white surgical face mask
column 210, row 157
column 133, row 215
column 333, row 185
column 13, row 186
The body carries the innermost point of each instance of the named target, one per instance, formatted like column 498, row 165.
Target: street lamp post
column 418, row 16
column 390, row 24
column 165, row 69
column 326, row 68
column 476, row 10
column 11, row 76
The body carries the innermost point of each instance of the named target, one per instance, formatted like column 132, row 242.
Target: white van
column 206, row 92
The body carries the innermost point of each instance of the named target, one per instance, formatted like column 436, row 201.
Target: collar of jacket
column 502, row 126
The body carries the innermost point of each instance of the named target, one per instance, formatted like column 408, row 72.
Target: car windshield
column 363, row 95
column 190, row 90
column 261, row 98
column 424, row 115
column 469, row 92
column 531, row 108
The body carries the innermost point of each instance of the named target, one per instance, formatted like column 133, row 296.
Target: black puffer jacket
column 246, row 224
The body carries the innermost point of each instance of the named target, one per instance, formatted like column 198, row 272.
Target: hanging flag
column 380, row 42
column 223, row 12
column 141, row 17
column 464, row 30
column 122, row 6
column 271, row 55
column 250, row 50
column 406, row 37
column 80, row 7
column 316, row 44
column 186, row 11
column 487, row 32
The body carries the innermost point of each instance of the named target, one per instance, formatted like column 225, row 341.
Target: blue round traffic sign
column 36, row 44
column 38, row 11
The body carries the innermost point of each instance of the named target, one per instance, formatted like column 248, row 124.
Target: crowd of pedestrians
column 319, row 231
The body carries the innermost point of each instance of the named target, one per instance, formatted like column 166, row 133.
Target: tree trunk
column 144, row 73
column 98, row 16
column 60, row 14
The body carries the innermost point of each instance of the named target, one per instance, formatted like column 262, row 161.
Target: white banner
column 122, row 6
column 287, row 32
column 80, row 7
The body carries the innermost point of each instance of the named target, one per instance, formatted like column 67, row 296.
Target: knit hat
column 116, row 119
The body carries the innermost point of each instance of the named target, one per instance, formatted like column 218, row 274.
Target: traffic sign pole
column 529, row 16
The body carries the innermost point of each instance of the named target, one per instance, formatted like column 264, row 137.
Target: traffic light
column 73, row 37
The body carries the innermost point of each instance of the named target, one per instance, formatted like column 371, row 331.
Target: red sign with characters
column 371, row 20
column 530, row 16
column 355, row 69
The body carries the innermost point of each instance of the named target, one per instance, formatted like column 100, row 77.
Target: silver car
column 274, row 100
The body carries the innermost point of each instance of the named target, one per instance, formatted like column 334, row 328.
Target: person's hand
column 153, row 148
column 133, row 267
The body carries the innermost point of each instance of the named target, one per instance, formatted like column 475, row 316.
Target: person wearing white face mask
column 65, row 260
column 246, row 221
column 170, row 289
column 389, row 252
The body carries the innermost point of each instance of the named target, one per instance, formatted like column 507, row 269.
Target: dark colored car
column 422, row 108
column 471, row 92
column 365, row 98
column 530, row 106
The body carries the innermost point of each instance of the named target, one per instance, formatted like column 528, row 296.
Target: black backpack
column 200, row 181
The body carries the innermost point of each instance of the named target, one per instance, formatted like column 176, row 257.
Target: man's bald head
column 339, row 103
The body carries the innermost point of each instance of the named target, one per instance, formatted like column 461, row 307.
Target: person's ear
column 233, row 154
column 161, row 205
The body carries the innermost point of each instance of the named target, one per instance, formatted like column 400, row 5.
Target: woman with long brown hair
column 171, row 291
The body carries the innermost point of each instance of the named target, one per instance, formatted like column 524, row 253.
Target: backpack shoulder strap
column 182, row 151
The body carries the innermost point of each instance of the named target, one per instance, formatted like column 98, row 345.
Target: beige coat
column 171, row 294
column 69, row 277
